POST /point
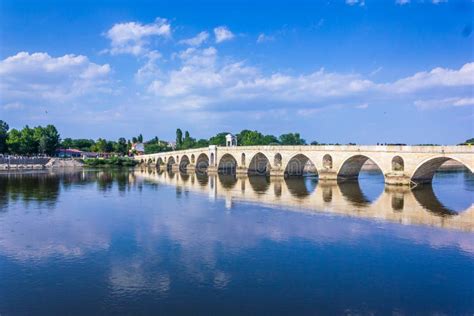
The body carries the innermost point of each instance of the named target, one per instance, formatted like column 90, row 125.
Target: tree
column 291, row 139
column 179, row 138
column 218, row 139
column 100, row 145
column 469, row 141
column 121, row 146
column 140, row 138
column 110, row 146
column 201, row 143
column 14, row 141
column 3, row 136
column 67, row 143
column 270, row 140
column 48, row 139
column 28, row 141
column 188, row 141
column 249, row 138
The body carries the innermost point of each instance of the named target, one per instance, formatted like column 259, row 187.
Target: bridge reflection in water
column 418, row 206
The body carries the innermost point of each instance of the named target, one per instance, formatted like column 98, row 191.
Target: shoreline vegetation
column 110, row 162
column 47, row 141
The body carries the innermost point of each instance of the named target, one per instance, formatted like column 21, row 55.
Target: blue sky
column 335, row 71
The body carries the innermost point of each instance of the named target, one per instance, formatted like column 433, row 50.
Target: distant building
column 75, row 153
column 230, row 140
column 138, row 148
column 172, row 145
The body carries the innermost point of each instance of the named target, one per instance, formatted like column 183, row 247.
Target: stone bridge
column 400, row 165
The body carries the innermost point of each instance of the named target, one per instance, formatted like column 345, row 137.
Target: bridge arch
column 259, row 165
column 159, row 162
column 227, row 164
column 170, row 162
column 183, row 163
column 425, row 171
column 298, row 165
column 350, row 168
column 202, row 163
column 398, row 164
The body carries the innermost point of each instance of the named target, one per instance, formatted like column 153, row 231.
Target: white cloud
column 205, row 81
column 402, row 2
column 464, row 102
column 445, row 102
column 12, row 106
column 150, row 69
column 40, row 76
column 439, row 1
column 264, row 38
column 354, row 2
column 133, row 37
column 438, row 77
column 362, row 106
column 222, row 33
column 196, row 40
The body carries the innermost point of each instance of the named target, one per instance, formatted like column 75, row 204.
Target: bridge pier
column 212, row 170
column 397, row 179
column 327, row 175
column 190, row 168
column 277, row 173
column 175, row 167
column 161, row 167
column 241, row 170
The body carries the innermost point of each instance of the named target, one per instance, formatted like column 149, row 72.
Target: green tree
column 291, row 139
column 47, row 138
column 201, row 143
column 179, row 138
column 14, row 141
column 67, row 143
column 110, row 146
column 121, row 146
column 140, row 138
column 249, row 138
column 188, row 141
column 270, row 140
column 3, row 136
column 100, row 145
column 218, row 139
column 28, row 141
column 469, row 141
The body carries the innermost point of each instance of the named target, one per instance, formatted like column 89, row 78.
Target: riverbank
column 39, row 163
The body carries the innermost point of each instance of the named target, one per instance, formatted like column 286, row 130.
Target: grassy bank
column 110, row 162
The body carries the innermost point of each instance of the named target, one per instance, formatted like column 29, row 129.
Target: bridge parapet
column 401, row 165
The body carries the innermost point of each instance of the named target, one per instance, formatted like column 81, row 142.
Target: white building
column 230, row 140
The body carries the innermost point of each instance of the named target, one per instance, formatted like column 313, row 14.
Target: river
column 147, row 242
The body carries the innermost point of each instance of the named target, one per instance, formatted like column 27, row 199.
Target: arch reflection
column 395, row 203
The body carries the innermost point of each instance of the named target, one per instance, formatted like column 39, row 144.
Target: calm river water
column 144, row 242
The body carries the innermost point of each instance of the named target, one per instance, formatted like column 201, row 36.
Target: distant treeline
column 46, row 140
